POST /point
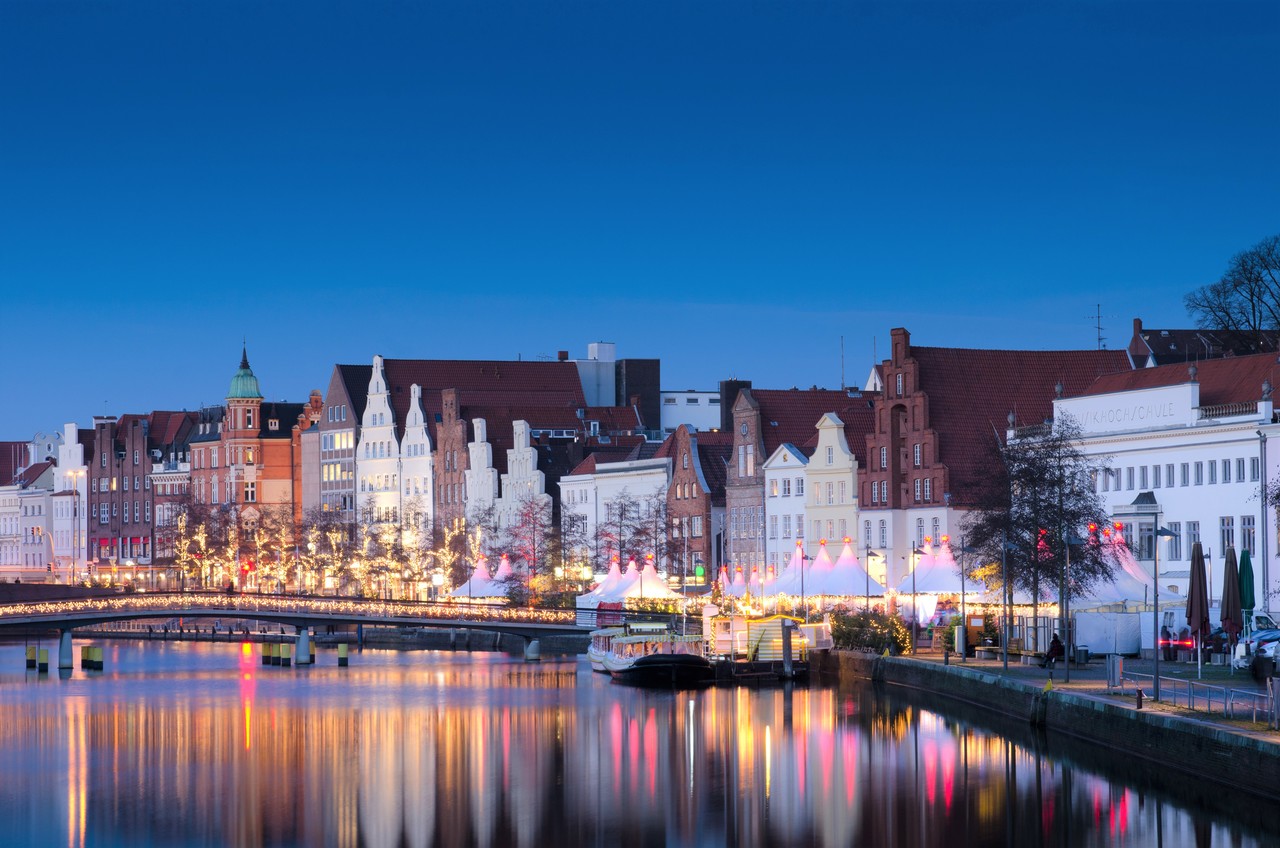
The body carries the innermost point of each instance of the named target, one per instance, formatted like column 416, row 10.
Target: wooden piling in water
column 286, row 655
column 31, row 656
column 342, row 654
column 42, row 663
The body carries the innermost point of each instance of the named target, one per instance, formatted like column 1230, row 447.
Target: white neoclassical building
column 1189, row 448
column 784, row 504
column 593, row 497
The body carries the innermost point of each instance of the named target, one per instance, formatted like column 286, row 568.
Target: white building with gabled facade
column 394, row 466
column 784, row 504
column 601, row 502
column 832, row 480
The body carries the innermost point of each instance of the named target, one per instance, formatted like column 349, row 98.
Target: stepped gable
column 971, row 393
column 1234, row 379
column 790, row 415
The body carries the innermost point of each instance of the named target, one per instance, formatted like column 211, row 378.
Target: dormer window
column 273, row 424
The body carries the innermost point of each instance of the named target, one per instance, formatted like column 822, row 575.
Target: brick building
column 695, row 501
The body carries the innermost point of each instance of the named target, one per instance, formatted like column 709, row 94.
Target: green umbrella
column 1246, row 589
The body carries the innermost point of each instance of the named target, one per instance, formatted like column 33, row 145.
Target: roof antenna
column 842, row 363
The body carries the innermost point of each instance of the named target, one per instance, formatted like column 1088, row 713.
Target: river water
column 199, row 744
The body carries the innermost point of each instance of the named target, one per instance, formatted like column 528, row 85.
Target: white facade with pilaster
column 784, row 505
column 1205, row 468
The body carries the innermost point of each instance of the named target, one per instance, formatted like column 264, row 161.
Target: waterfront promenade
column 1216, row 727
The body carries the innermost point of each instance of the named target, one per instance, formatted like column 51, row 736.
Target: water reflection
column 199, row 744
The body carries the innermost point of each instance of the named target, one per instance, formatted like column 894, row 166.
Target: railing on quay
column 1197, row 695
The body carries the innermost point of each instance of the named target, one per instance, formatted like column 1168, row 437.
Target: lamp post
column 1004, row 590
column 867, row 570
column 75, row 474
column 915, row 604
column 964, row 616
column 1067, row 541
column 1161, row 533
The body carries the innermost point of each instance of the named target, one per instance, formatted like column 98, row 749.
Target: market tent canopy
column 479, row 585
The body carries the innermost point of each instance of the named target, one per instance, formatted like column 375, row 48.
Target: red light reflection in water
column 651, row 752
column 850, row 766
column 931, row 772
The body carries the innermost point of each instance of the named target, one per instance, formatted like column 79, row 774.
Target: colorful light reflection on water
column 180, row 744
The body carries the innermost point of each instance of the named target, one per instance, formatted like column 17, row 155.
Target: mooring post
column 360, row 635
column 532, row 651
column 342, row 654
column 64, row 650
column 304, row 645
column 788, row 670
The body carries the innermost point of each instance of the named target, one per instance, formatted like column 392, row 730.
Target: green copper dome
column 244, row 384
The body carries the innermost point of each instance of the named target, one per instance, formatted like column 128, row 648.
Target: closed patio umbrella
column 1232, row 617
column 1247, row 599
column 1198, row 600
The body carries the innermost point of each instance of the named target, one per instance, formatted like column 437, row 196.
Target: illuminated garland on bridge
column 163, row 605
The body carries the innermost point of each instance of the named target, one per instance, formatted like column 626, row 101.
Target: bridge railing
column 177, row 602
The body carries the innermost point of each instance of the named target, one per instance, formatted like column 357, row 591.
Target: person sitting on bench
column 1055, row 652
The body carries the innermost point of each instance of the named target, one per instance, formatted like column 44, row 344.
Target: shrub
column 873, row 630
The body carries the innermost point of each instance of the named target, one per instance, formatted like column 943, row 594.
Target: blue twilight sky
column 731, row 186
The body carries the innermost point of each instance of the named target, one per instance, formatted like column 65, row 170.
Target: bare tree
column 1246, row 299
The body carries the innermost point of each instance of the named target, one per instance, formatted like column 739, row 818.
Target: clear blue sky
column 729, row 186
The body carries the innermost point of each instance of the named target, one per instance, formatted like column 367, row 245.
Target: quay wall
column 1197, row 748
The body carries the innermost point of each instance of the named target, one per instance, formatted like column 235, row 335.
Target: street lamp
column 867, row 570
column 1161, row 533
column 75, row 474
column 1067, row 541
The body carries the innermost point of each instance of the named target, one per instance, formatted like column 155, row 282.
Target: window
column 250, row 492
column 1253, row 469
column 136, row 481
column 1248, row 534
column 917, row 487
column 919, row 535
column 125, row 484
column 831, row 498
column 773, row 527
column 786, row 526
column 751, row 460
column 843, row 491
column 1105, row 482
column 786, row 487
column 1155, row 476
column 800, row 526
column 799, row 486
column 1226, row 471
column 831, row 529
column 915, row 454
column 937, row 538
column 928, row 490
column 669, row 401
column 1199, row 473
column 1193, row 534
column 866, row 537
column 742, row 460
column 875, row 492
column 773, row 488
column 1128, row 478
column 93, row 510
column 1184, row 478
column 248, row 418
column 135, row 457
column 147, row 483
column 817, row 529
column 1142, row 477
column 696, row 526
column 1168, row 475
column 1174, row 551
column 1240, row 470
column 693, row 401
column 898, row 380
column 884, row 458
column 844, row 528
column 1213, row 472
column 273, row 424
column 1228, row 528
column 831, row 456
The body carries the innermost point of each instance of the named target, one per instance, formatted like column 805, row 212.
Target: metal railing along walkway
column 1198, row 695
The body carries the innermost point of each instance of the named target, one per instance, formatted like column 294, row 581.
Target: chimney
column 562, row 355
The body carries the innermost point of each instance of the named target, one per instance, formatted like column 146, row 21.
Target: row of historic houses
column 397, row 450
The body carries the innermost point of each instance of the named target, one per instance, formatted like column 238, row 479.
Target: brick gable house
column 937, row 412
column 695, row 500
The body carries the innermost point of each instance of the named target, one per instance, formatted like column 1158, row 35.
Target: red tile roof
column 971, row 392
column 32, row 473
column 480, row 384
column 713, row 451
column 859, row 422
column 615, row 419
column 790, row 415
column 1234, row 379
column 13, row 455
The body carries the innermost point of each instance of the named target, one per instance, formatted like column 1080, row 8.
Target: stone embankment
column 1202, row 748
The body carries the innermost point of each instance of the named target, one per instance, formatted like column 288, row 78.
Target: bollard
column 946, row 658
column 31, row 656
column 453, row 640
column 266, row 654
column 1139, row 699
column 42, row 664
column 275, row 653
column 342, row 654
column 532, row 651
column 286, row 655
column 98, row 664
column 304, row 645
